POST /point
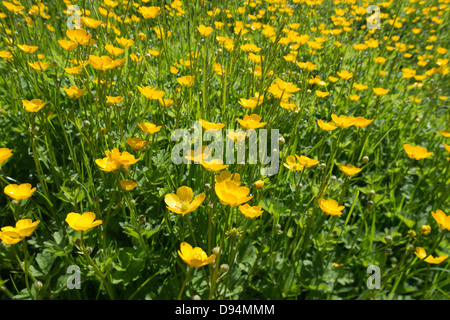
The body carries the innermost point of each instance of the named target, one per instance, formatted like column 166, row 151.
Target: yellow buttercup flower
column 278, row 92
column 436, row 260
column 149, row 128
column 137, row 143
column 251, row 103
column 128, row 185
column 415, row 99
column 306, row 162
column 252, row 121
column 111, row 3
column 204, row 31
column 343, row 121
column 27, row 49
column 160, row 33
column 154, row 53
column 194, row 257
column 199, row 155
column 257, row 72
column 447, row 147
column 372, row 43
column 360, row 46
column 186, row 81
column 151, row 93
column 284, row 86
column 210, row 125
column 442, row 220
column 5, row 154
column 218, row 69
column 237, row 136
column 250, row 47
column 149, row 12
column 90, row 22
column 326, row 126
column 380, row 59
column 6, row 55
column 259, row 184
column 359, row 86
column 111, row 162
column 114, row 100
column 39, row 66
column 322, row 94
column 445, row 133
column 425, row 229
column 441, row 50
column 74, row 70
column 214, row 165
column 416, row 153
column 255, row 57
column 288, row 105
column 9, row 235
column 74, row 92
column 19, row 192
column 186, row 63
column 104, row 62
column 251, row 212
column 330, row 207
column 34, row 105
column 80, row 36
column 345, row 75
column 68, row 45
column 307, row 65
column 125, row 42
column 12, row 7
column 113, row 50
column 24, row 228
column 166, row 102
column 408, row 73
column 126, row 159
column 82, row 222
column 380, row 91
column 293, row 164
column 361, row 122
column 421, row 253
column 333, row 79
column 442, row 62
column 114, row 160
column 229, row 190
column 183, row 201
column 317, row 80
column 349, row 169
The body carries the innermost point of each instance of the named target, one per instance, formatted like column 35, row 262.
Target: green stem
column 100, row 274
column 216, row 266
column 184, row 283
column 297, row 192
column 191, row 230
column 233, row 255
column 25, row 266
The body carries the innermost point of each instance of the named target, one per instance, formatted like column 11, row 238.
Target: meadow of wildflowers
column 224, row 150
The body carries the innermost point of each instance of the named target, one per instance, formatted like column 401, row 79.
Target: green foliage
column 294, row 250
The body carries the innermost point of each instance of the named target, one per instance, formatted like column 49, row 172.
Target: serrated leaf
column 45, row 261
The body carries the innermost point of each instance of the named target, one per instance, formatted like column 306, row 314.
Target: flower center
column 184, row 206
column 197, row 256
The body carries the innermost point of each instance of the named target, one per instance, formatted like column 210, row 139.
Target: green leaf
column 45, row 262
column 409, row 223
